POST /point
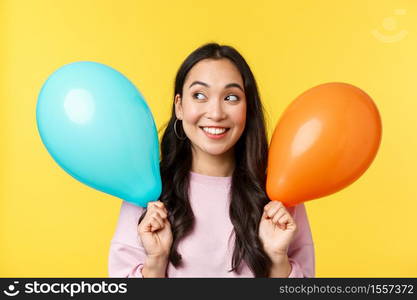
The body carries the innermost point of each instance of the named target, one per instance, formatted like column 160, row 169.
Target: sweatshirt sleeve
column 301, row 251
column 126, row 254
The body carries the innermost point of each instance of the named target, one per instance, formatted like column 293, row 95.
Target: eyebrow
column 233, row 84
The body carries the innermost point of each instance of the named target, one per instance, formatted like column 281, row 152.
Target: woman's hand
column 276, row 229
column 155, row 231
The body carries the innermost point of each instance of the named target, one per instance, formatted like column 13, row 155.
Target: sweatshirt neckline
column 207, row 179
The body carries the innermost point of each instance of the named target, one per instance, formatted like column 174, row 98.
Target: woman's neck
column 213, row 165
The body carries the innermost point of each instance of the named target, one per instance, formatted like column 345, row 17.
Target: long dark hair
column 247, row 192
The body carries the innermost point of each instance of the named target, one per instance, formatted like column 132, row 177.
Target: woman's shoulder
column 130, row 211
column 126, row 228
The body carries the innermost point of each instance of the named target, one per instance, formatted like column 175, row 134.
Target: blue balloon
column 98, row 128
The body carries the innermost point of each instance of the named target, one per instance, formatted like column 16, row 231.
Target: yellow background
column 52, row 225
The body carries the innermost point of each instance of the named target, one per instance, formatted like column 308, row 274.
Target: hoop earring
column 176, row 133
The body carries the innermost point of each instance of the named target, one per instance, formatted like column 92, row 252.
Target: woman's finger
column 149, row 217
column 148, row 226
column 151, row 205
column 159, row 212
column 167, row 223
column 160, row 204
column 156, row 205
column 273, row 208
column 284, row 219
column 157, row 223
column 271, row 204
column 278, row 216
column 163, row 208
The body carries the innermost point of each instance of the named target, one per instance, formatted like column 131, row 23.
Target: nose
column 216, row 111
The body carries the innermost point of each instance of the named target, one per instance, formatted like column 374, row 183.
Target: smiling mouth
column 214, row 130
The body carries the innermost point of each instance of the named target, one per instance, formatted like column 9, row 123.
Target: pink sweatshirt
column 205, row 251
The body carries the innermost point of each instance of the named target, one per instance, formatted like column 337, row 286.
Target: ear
column 178, row 106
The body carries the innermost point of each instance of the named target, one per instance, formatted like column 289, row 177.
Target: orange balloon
column 324, row 141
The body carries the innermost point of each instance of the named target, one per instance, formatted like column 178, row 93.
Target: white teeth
column 214, row 130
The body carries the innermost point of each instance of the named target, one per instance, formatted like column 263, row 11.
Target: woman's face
column 213, row 106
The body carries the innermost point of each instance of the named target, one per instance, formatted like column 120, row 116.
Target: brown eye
column 233, row 98
column 196, row 96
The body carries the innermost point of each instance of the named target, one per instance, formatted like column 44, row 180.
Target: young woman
column 213, row 218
